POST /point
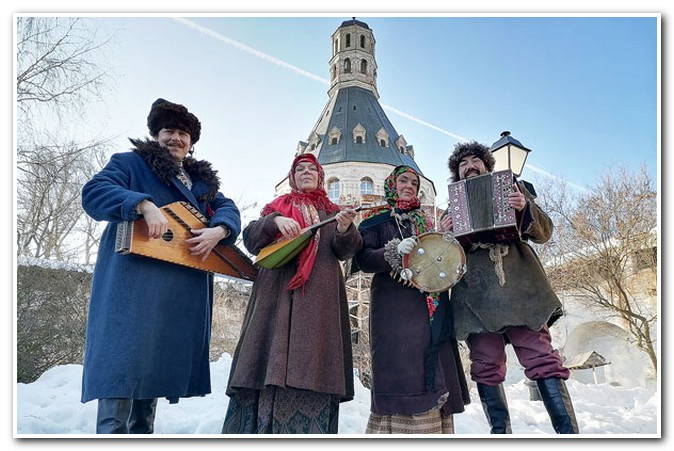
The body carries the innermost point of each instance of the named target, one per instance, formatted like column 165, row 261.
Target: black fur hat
column 461, row 150
column 165, row 114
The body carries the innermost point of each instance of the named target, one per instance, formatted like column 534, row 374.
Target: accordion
column 479, row 209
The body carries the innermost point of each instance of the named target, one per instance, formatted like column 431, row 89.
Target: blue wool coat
column 149, row 324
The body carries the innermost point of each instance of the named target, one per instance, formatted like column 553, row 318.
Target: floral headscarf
column 420, row 221
column 303, row 207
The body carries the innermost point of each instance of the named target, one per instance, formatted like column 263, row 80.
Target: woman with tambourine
column 418, row 381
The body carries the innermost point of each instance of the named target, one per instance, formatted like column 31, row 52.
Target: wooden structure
column 586, row 360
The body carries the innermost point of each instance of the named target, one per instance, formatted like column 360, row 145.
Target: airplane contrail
column 299, row 71
column 311, row 75
column 251, row 50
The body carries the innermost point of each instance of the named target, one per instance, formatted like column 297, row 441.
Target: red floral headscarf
column 303, row 207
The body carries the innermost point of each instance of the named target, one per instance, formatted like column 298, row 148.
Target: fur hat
column 462, row 150
column 165, row 114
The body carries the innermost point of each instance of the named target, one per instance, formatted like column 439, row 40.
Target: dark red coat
column 297, row 338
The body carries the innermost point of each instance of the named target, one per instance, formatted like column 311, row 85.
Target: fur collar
column 166, row 168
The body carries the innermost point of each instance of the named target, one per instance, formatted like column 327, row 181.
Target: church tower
column 358, row 148
column 353, row 138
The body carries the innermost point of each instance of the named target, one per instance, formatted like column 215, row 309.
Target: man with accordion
column 505, row 296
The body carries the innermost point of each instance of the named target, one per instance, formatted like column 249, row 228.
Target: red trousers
column 533, row 349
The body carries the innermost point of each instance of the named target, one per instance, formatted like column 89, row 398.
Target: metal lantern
column 509, row 154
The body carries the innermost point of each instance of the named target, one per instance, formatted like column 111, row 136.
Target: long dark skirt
column 277, row 410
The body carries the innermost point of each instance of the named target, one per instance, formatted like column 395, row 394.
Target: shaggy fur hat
column 462, row 150
column 165, row 114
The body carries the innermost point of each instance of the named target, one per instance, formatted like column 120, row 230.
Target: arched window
column 382, row 142
column 347, row 66
column 366, row 186
column 334, row 141
column 362, row 42
column 333, row 190
column 348, row 40
column 363, row 66
column 359, row 140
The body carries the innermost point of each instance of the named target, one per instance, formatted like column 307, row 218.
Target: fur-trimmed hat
column 165, row 114
column 462, row 150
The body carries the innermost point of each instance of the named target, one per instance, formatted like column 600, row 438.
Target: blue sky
column 581, row 91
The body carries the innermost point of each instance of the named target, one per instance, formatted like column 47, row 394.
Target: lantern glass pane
column 517, row 159
column 501, row 157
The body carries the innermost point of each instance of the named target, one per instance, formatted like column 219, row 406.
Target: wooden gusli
column 229, row 260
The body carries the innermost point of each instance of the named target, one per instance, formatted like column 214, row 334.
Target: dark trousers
column 533, row 349
column 126, row 416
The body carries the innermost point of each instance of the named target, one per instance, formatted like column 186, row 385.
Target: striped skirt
column 276, row 410
column 432, row 422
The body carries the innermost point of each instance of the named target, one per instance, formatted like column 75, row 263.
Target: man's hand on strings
column 157, row 224
column 205, row 240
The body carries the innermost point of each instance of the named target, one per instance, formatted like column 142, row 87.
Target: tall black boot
column 141, row 420
column 495, row 407
column 113, row 416
column 558, row 404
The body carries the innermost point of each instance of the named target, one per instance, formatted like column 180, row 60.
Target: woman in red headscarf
column 293, row 364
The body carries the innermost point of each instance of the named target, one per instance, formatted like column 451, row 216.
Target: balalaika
column 132, row 238
column 480, row 211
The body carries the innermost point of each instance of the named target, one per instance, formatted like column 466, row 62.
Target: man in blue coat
column 149, row 324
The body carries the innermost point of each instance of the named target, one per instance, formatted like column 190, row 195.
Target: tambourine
column 436, row 263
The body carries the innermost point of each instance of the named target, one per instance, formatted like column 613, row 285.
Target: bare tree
column 58, row 71
column 56, row 64
column 606, row 250
column 48, row 198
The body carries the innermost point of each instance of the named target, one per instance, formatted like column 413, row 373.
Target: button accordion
column 479, row 209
